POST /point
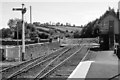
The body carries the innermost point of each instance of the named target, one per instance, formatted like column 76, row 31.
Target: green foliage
column 36, row 23
column 15, row 26
column 33, row 35
column 76, row 34
column 31, row 27
column 12, row 23
column 53, row 24
column 43, row 36
column 5, row 33
column 90, row 30
column 52, row 31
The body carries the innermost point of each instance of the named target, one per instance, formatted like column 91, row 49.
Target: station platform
column 104, row 66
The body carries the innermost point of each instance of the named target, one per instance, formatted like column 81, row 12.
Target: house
column 109, row 28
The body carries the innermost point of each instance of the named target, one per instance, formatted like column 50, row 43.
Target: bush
column 43, row 36
column 76, row 34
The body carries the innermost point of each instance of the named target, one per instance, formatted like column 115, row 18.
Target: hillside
column 56, row 31
column 59, row 28
column 63, row 28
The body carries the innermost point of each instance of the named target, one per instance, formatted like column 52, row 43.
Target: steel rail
column 22, row 71
column 27, row 63
column 49, row 71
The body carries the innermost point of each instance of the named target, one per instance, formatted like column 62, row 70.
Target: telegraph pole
column 30, row 14
column 23, row 10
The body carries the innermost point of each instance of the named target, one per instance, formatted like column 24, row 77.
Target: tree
column 77, row 34
column 12, row 23
column 58, row 24
column 31, row 27
column 68, row 24
column 16, row 27
column 33, row 35
column 73, row 25
column 43, row 36
column 37, row 23
column 6, row 33
column 61, row 24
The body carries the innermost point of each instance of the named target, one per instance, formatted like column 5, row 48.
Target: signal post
column 23, row 11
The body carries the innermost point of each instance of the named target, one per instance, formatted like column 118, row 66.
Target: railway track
column 57, row 62
column 50, row 66
column 63, row 71
column 44, row 66
column 9, row 72
column 65, row 68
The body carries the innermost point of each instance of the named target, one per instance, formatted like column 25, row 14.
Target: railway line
column 65, row 68
column 42, row 67
column 60, row 63
column 6, row 73
column 57, row 62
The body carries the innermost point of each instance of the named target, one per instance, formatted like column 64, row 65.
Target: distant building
column 109, row 27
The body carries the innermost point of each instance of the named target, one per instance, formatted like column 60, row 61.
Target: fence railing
column 14, row 52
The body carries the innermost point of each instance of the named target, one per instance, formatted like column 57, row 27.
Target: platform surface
column 103, row 67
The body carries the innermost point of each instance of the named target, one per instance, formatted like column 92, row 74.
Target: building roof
column 107, row 13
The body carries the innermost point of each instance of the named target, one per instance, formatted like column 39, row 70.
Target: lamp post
column 23, row 10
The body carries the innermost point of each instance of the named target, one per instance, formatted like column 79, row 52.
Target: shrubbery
column 76, row 34
column 43, row 36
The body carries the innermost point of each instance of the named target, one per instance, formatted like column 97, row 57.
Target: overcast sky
column 78, row 12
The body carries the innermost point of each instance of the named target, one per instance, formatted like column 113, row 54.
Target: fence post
column 6, row 52
column 19, row 53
